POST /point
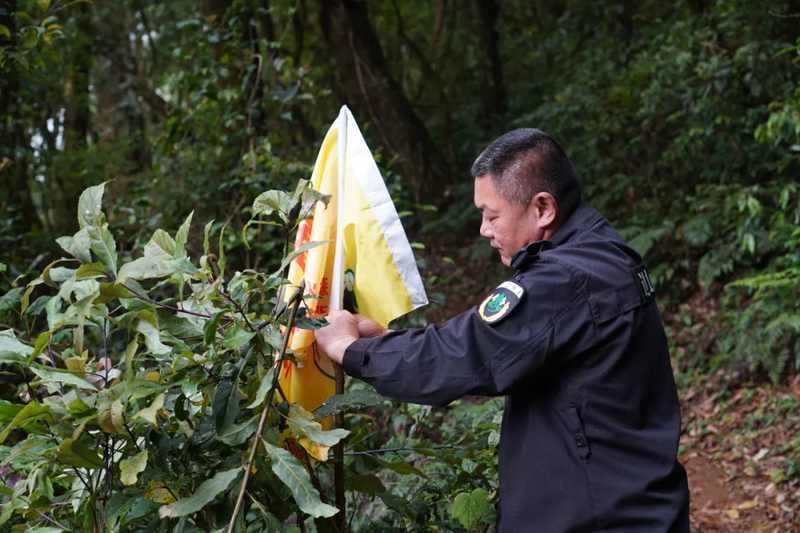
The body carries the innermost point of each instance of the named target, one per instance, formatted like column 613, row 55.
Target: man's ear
column 546, row 209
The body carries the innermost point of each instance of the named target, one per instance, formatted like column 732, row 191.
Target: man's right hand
column 368, row 328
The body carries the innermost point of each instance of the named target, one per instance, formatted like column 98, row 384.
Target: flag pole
column 336, row 302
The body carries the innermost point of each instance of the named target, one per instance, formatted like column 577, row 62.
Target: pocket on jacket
column 574, row 423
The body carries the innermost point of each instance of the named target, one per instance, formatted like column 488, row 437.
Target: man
column 574, row 341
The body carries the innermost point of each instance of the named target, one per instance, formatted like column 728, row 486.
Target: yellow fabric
column 370, row 269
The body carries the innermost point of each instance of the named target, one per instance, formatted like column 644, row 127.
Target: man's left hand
column 341, row 332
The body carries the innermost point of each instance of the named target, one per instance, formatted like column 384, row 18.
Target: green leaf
column 206, row 231
column 158, row 261
column 210, row 328
column 263, row 389
column 9, row 343
column 225, row 403
column 89, row 270
column 77, row 454
column 268, row 202
column 149, row 413
column 4, row 31
column 400, row 467
column 236, row 434
column 366, row 483
column 181, row 237
column 78, row 246
column 10, row 300
column 12, row 358
column 223, row 261
column 236, row 336
column 110, row 415
column 164, row 241
column 301, row 422
column 26, row 298
column 130, row 352
column 91, row 218
column 41, row 341
column 292, row 256
column 33, row 447
column 132, row 467
column 57, row 375
column 309, row 197
column 8, row 411
column 29, row 414
column 85, row 293
column 204, row 494
column 295, row 476
column 351, row 400
column 44, row 4
column 146, row 268
column 90, row 205
column 111, row 291
column 151, row 337
column 273, row 525
column 469, row 508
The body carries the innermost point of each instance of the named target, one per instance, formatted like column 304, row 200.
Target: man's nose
column 486, row 230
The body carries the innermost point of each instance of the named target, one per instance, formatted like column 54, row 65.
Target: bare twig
column 164, row 306
column 105, row 354
column 52, row 520
column 297, row 298
column 338, row 456
column 785, row 15
column 404, row 449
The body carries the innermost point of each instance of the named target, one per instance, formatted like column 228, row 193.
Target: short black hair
column 526, row 161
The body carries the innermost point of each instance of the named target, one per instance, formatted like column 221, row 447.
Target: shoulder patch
column 501, row 302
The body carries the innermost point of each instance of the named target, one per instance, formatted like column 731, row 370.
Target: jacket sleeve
column 470, row 356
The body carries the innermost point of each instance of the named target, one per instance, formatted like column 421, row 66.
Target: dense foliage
column 681, row 117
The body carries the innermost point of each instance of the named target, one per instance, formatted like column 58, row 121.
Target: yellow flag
column 368, row 261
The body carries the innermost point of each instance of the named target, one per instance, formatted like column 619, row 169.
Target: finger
column 360, row 319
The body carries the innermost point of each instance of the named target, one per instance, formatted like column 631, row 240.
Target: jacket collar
column 583, row 218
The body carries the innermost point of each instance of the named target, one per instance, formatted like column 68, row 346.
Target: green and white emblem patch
column 501, row 302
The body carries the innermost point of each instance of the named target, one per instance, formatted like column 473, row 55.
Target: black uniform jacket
column 590, row 432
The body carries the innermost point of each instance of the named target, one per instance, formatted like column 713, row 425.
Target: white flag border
column 377, row 195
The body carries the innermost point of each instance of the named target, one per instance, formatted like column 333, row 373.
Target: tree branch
column 297, row 298
column 404, row 449
column 164, row 306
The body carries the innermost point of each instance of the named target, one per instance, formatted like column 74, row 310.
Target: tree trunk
column 494, row 97
column 13, row 140
column 76, row 127
column 367, row 82
column 65, row 186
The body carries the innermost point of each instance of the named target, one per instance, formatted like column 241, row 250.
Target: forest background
column 683, row 119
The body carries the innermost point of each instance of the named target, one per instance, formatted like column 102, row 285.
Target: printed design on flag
column 350, row 287
column 324, row 365
column 500, row 302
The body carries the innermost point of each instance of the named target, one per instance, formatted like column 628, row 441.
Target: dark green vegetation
column 682, row 118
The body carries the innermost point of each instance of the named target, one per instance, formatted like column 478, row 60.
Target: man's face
column 509, row 227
